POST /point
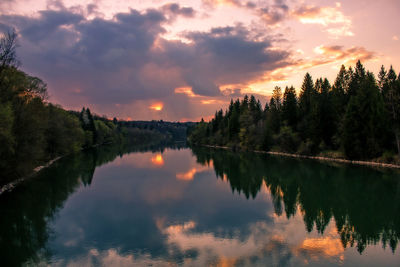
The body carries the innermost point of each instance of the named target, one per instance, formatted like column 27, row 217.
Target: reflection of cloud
column 210, row 249
column 157, row 160
column 186, row 176
column 324, row 246
column 263, row 246
column 189, row 175
column 112, row 257
column 137, row 160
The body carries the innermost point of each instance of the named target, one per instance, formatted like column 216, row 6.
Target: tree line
column 358, row 117
column 33, row 130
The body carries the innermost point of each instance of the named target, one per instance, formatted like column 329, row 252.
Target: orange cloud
column 326, row 55
column 339, row 53
column 157, row 106
column 335, row 22
column 213, row 3
column 185, row 90
column 334, row 54
column 212, row 101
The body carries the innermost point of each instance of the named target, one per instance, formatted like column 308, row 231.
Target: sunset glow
column 186, row 176
column 183, row 57
column 157, row 160
column 157, row 107
column 328, row 246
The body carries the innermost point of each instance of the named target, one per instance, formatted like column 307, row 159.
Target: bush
column 387, row 157
column 287, row 140
column 306, row 148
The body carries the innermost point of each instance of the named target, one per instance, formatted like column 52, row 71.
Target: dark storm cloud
column 227, row 56
column 124, row 59
column 37, row 30
column 275, row 12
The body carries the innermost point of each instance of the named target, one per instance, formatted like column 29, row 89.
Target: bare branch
column 8, row 47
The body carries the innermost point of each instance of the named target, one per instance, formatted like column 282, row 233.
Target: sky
column 183, row 60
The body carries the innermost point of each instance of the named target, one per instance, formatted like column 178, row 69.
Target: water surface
column 168, row 206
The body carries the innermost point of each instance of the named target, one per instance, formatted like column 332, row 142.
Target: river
column 168, row 206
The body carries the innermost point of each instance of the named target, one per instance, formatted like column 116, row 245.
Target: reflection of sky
column 139, row 213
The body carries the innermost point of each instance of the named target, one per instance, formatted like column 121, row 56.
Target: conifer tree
column 363, row 122
column 307, row 99
column 274, row 116
column 289, row 107
column 391, row 95
column 307, row 92
column 339, row 100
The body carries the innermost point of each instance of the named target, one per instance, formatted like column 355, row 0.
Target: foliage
column 357, row 117
column 33, row 131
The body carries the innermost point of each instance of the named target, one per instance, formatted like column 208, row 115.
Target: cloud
column 214, row 3
column 125, row 59
column 274, row 13
column 331, row 18
column 336, row 53
column 176, row 9
column 227, row 55
column 270, row 12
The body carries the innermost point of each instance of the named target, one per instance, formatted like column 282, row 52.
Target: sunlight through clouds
column 157, row 106
column 139, row 53
column 331, row 18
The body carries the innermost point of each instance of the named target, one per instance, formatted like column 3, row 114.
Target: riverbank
column 10, row 186
column 355, row 162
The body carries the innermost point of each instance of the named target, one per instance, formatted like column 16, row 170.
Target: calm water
column 201, row 207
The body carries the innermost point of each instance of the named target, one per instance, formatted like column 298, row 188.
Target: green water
column 168, row 206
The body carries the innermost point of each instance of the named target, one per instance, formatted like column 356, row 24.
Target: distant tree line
column 173, row 130
column 358, row 117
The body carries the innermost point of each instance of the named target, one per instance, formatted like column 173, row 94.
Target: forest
column 33, row 130
column 357, row 117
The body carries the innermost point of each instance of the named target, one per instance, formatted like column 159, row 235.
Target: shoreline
column 354, row 162
column 11, row 185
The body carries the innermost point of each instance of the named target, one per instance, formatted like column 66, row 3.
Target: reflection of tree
column 235, row 167
column 363, row 202
column 26, row 211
